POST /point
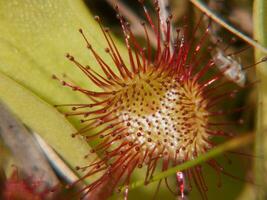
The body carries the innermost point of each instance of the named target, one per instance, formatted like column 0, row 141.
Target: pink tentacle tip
column 181, row 182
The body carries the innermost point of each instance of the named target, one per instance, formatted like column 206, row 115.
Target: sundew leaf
column 260, row 34
column 45, row 120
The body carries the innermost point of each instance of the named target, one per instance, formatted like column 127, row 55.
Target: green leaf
column 34, row 38
column 260, row 34
column 45, row 120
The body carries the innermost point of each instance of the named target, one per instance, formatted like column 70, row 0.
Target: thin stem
column 260, row 33
column 200, row 5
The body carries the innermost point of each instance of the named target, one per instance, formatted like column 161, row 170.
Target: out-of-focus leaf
column 34, row 38
column 45, row 120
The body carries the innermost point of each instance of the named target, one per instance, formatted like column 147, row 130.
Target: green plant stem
column 232, row 144
column 200, row 5
column 260, row 34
